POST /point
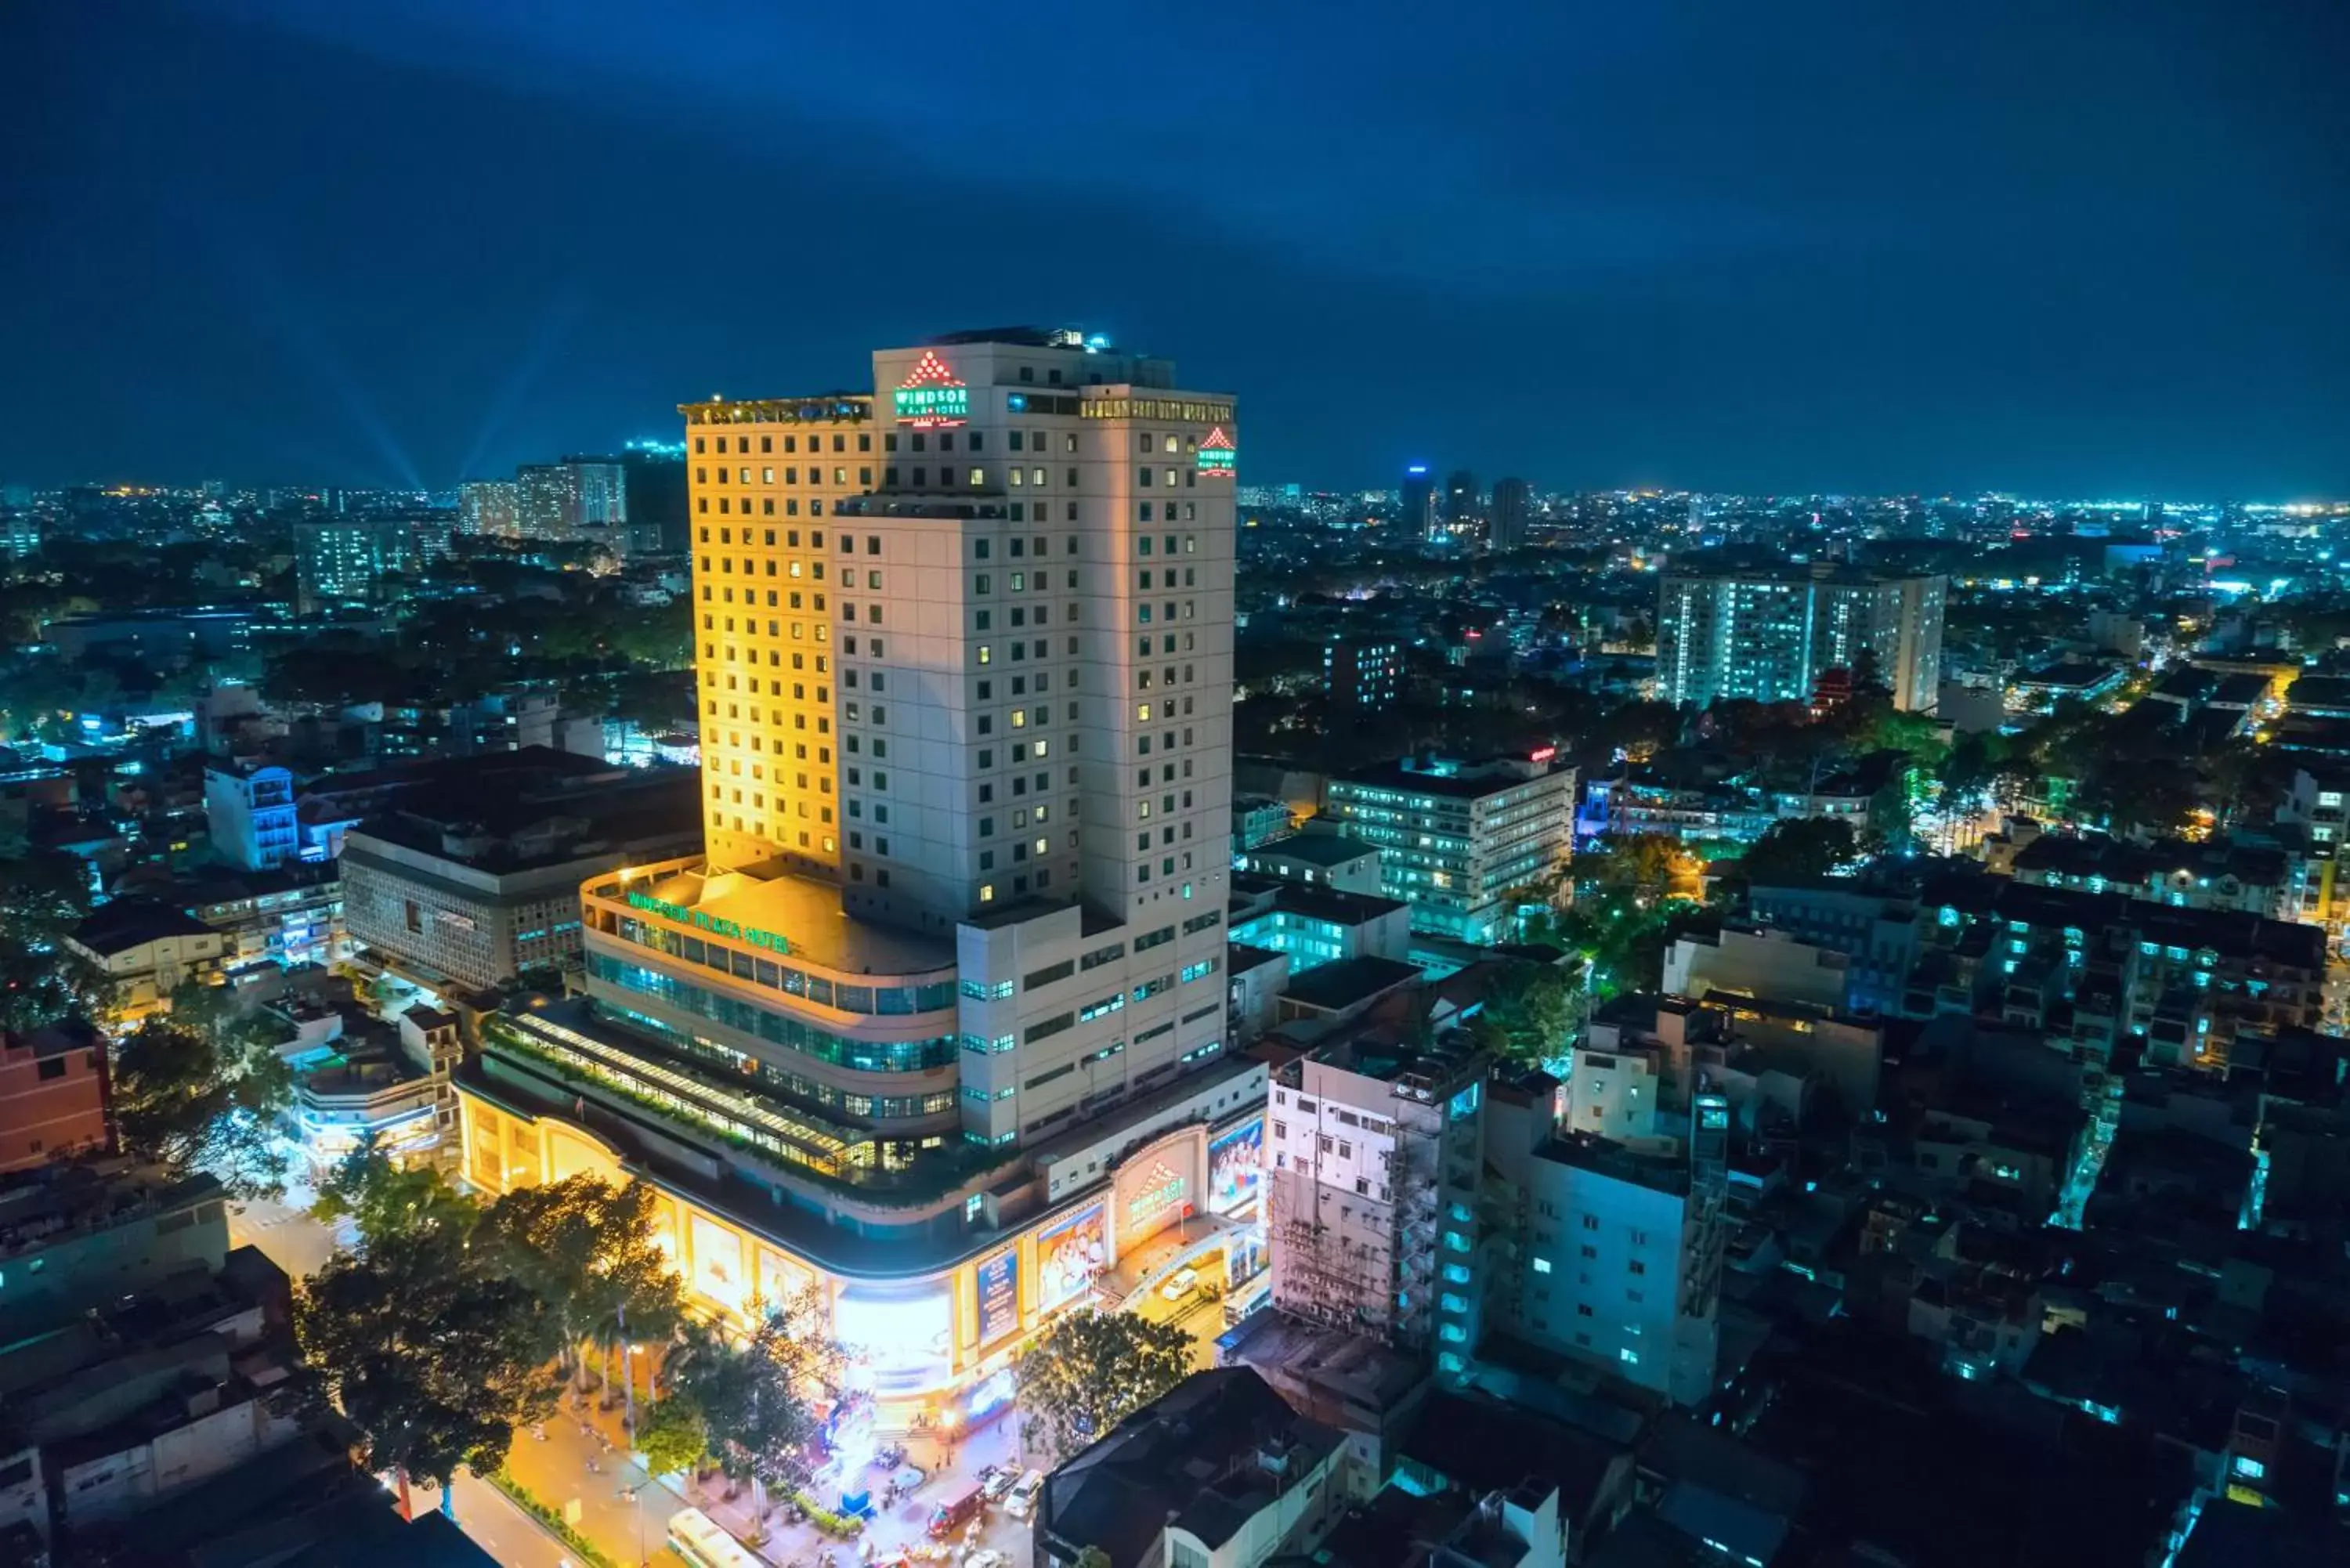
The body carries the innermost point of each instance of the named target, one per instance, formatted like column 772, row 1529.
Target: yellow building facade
column 765, row 475
column 932, row 1326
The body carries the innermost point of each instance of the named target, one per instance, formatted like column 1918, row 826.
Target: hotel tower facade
column 938, row 1021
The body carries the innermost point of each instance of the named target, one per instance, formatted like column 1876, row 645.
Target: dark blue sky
column 2097, row 245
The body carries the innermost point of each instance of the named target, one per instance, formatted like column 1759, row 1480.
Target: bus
column 693, row 1536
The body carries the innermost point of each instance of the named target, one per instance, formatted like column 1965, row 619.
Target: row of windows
column 766, row 506
column 883, row 999
column 775, row 1028
column 791, row 442
column 791, row 477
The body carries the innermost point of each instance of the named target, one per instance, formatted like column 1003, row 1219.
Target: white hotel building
column 937, row 1021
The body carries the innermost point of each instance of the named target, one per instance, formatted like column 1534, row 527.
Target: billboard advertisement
column 1154, row 1194
column 782, row 1282
column 999, row 1297
column 1236, row 1168
column 1070, row 1255
column 718, row 1263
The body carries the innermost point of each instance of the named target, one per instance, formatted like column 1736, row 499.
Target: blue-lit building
column 1314, row 926
column 1362, row 674
column 250, row 813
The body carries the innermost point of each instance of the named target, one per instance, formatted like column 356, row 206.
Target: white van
column 1021, row 1500
column 1181, row 1286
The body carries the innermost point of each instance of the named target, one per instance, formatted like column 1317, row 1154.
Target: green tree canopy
column 392, row 1204
column 1532, row 1013
column 1800, row 850
column 43, row 980
column 1089, row 1371
column 183, row 1100
column 585, row 1248
column 750, row 1401
column 436, row 1361
column 673, row 1437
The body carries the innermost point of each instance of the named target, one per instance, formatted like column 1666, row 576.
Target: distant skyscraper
column 20, row 534
column 1362, row 674
column 1416, row 515
column 486, row 507
column 655, row 502
column 1506, row 527
column 338, row 558
column 1461, row 498
column 1768, row 636
column 580, row 500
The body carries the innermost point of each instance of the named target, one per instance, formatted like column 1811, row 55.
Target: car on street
column 1021, row 1500
column 1184, row 1282
column 997, row 1480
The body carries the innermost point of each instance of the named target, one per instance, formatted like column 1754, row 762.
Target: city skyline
column 2039, row 288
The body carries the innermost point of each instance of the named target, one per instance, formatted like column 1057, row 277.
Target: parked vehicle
column 1021, row 1500
column 957, row 1509
column 1185, row 1281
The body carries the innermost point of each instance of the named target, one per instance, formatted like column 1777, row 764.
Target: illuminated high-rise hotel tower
column 965, row 680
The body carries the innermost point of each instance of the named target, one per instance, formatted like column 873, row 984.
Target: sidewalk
column 904, row 1523
column 621, row 1509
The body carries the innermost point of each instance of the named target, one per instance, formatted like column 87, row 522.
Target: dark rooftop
column 1333, row 987
column 1207, row 1457
column 127, row 923
column 1322, row 849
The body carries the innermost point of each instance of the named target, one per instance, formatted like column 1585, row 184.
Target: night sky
column 2085, row 246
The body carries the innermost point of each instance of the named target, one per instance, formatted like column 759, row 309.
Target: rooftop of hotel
column 1335, row 986
column 127, row 923
column 805, row 912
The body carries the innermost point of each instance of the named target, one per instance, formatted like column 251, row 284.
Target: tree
column 586, row 1249
column 434, row 1357
column 1801, row 850
column 673, row 1438
column 389, row 1203
column 1644, row 864
column 181, row 1100
column 42, row 979
column 762, row 1424
column 1531, row 1013
column 1091, row 1370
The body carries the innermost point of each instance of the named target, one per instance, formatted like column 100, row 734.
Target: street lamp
column 631, row 1493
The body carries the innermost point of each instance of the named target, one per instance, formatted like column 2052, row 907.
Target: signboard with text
column 1215, row 454
column 931, row 396
column 999, row 1297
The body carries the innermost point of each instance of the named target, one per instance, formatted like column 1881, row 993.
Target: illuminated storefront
column 941, row 1329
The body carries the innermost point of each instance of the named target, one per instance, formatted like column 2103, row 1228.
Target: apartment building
column 1456, row 839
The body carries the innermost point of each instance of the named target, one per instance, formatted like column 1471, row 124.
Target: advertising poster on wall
column 718, row 1263
column 999, row 1297
column 1236, row 1168
column 782, row 1282
column 1069, row 1255
column 1154, row 1195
